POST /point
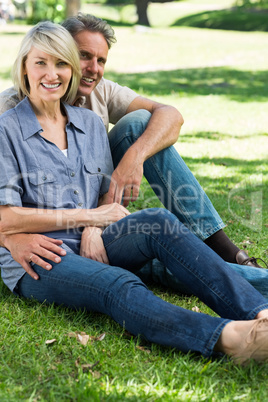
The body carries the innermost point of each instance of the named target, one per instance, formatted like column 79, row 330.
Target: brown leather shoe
column 255, row 345
column 243, row 259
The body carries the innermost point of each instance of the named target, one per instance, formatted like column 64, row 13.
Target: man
column 140, row 141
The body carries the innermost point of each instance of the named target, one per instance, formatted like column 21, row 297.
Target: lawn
column 218, row 80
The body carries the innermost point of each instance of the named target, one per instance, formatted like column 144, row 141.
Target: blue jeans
column 130, row 243
column 154, row 272
column 180, row 193
column 169, row 177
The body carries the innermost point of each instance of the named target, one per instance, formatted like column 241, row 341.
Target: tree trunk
column 142, row 12
column 72, row 7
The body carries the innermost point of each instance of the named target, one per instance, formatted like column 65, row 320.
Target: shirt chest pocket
column 41, row 188
column 93, row 177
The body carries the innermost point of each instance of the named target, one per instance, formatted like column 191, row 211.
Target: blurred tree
column 141, row 6
column 38, row 10
column 53, row 10
column 72, row 7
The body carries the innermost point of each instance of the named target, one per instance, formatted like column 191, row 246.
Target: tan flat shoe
column 256, row 344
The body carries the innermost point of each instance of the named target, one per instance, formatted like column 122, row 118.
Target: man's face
column 93, row 50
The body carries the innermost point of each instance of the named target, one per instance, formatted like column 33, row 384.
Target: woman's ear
column 26, row 82
column 24, row 69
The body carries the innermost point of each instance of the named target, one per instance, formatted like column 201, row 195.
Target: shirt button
column 76, row 192
column 72, row 174
column 44, row 178
column 99, row 169
column 80, row 204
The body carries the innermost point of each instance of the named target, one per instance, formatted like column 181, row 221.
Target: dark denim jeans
column 130, row 243
column 169, row 177
column 180, row 193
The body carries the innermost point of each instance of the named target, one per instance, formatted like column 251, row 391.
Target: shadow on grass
column 242, row 166
column 216, row 136
column 238, row 172
column 242, row 86
column 231, row 19
column 230, row 191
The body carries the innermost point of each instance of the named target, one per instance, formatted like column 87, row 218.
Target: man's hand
column 126, row 179
column 27, row 248
column 161, row 132
column 92, row 245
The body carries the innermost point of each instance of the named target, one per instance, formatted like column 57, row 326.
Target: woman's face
column 48, row 76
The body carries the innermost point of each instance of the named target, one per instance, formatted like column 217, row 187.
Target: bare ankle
column 232, row 337
column 227, row 340
column 262, row 314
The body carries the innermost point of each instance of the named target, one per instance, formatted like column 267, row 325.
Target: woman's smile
column 50, row 73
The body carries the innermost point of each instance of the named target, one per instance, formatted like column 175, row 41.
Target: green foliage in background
column 252, row 3
column 53, row 10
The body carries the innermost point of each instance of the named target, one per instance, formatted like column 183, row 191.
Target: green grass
column 123, row 368
column 239, row 19
column 218, row 80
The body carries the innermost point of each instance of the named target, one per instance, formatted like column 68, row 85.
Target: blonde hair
column 56, row 41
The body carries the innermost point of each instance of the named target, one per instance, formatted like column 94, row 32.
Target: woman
column 55, row 167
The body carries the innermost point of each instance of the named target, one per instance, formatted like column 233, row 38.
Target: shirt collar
column 30, row 125
column 75, row 118
column 27, row 119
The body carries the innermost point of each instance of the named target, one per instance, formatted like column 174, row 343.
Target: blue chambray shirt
column 35, row 173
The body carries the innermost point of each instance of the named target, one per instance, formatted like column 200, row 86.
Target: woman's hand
column 91, row 241
column 109, row 213
column 27, row 248
column 92, row 245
